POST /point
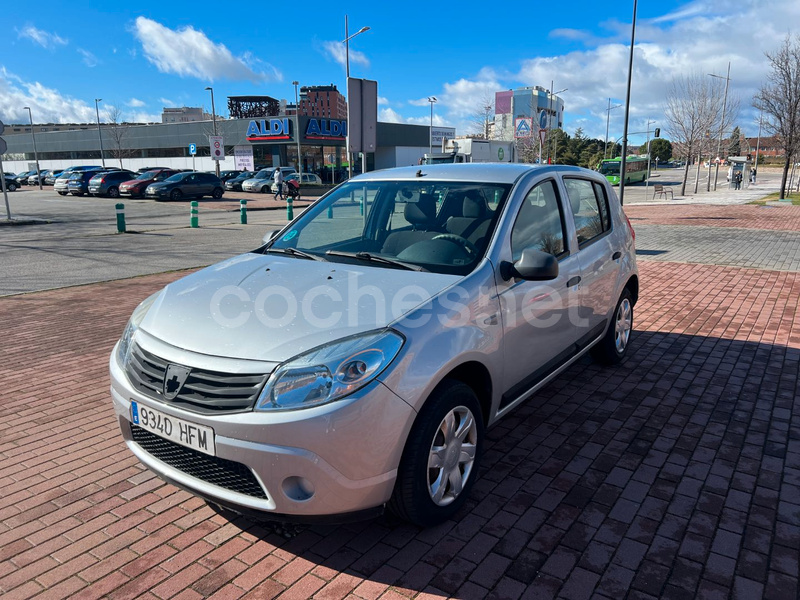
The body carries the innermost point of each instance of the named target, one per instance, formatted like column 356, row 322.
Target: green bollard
column 194, row 214
column 330, row 211
column 243, row 212
column 120, row 217
column 289, row 211
column 361, row 204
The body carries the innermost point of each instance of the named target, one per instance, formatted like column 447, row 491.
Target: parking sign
column 217, row 147
column 192, row 149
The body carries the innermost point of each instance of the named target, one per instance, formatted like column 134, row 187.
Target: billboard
column 439, row 134
column 243, row 158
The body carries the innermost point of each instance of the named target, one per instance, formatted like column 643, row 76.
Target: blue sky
column 146, row 55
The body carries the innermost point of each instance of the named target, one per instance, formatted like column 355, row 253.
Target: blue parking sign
column 192, row 149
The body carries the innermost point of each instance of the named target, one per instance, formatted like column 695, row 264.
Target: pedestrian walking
column 278, row 179
column 753, row 176
column 737, row 180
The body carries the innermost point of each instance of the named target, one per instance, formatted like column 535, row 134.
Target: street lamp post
column 627, row 109
column 432, row 100
column 550, row 116
column 647, row 145
column 486, row 121
column 297, row 126
column 608, row 115
column 35, row 153
column 346, row 42
column 99, row 134
column 758, row 143
column 721, row 123
column 214, row 120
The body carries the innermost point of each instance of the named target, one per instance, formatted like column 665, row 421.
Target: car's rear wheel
column 62, row 193
column 441, row 457
column 217, row 193
column 113, row 192
column 176, row 195
column 11, row 187
column 614, row 345
column 265, row 189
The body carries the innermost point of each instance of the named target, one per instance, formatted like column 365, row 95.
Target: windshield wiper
column 375, row 258
column 296, row 252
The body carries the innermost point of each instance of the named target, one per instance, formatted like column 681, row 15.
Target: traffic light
column 657, row 132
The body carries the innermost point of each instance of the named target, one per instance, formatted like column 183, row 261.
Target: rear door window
column 589, row 208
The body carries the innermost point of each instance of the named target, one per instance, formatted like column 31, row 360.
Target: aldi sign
column 268, row 130
column 326, row 129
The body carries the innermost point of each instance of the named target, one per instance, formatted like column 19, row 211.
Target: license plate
column 191, row 435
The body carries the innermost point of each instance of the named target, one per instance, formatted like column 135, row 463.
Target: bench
column 662, row 190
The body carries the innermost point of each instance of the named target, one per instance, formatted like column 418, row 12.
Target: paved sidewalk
column 675, row 475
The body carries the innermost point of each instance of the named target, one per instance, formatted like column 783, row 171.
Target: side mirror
column 270, row 235
column 533, row 265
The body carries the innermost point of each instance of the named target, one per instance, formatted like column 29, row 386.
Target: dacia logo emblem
column 174, row 378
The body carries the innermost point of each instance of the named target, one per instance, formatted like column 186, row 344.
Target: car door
column 190, row 185
column 539, row 329
column 599, row 258
column 205, row 184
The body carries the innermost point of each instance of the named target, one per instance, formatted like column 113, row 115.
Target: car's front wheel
column 113, row 192
column 175, row 195
column 441, row 457
column 614, row 345
column 217, row 193
column 11, row 187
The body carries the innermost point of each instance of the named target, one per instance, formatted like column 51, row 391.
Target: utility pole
column 99, row 134
column 721, row 123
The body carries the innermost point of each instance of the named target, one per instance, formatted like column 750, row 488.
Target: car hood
column 136, row 182
column 160, row 185
column 272, row 307
column 254, row 180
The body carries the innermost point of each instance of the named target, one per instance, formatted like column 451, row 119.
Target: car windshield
column 443, row 227
column 147, row 175
column 177, row 177
column 263, row 174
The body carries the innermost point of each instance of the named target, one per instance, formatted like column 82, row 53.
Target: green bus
column 635, row 169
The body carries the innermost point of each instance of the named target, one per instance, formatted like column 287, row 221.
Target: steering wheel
column 468, row 246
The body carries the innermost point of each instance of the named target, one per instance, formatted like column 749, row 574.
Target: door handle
column 616, row 255
column 574, row 281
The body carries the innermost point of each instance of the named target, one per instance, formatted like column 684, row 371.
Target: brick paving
column 750, row 216
column 675, row 475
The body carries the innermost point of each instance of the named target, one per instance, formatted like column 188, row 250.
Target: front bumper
column 157, row 193
column 336, row 459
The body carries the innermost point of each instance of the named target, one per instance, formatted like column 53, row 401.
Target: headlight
column 329, row 372
column 130, row 329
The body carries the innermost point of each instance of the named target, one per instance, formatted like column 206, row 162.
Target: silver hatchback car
column 354, row 361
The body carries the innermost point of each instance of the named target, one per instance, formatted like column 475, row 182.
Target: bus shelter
column 739, row 164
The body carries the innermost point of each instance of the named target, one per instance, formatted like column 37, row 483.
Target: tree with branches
column 481, row 117
column 779, row 100
column 117, row 129
column 694, row 114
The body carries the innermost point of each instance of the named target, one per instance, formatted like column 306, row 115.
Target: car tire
column 612, row 348
column 265, row 189
column 62, row 193
column 175, row 195
column 113, row 192
column 217, row 193
column 11, row 187
column 451, row 420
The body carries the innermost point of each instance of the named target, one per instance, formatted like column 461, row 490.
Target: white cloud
column 337, row 52
column 143, row 117
column 167, row 102
column 190, row 53
column 89, row 59
column 383, row 101
column 135, row 103
column 387, row 115
column 47, row 105
column 41, row 37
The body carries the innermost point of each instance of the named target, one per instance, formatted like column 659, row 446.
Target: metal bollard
column 289, row 211
column 361, row 204
column 120, row 217
column 243, row 212
column 193, row 214
column 330, row 211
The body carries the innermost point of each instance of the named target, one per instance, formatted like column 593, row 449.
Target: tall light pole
column 647, row 146
column 627, row 110
column 722, row 122
column 99, row 134
column 550, row 116
column 758, row 142
column 608, row 115
column 432, row 100
column 346, row 42
column 486, row 121
column 214, row 119
column 35, row 154
column 297, row 126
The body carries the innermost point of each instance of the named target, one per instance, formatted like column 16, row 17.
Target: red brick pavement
column 676, row 475
column 784, row 218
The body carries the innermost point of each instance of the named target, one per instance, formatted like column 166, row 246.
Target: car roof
column 485, row 172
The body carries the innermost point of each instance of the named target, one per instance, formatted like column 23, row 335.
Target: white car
column 262, row 182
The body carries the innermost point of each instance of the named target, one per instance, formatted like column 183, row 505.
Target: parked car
column 78, row 182
column 186, row 185
column 50, row 178
column 226, row 175
column 305, row 179
column 11, row 182
column 22, row 178
column 235, row 183
column 303, row 379
column 60, row 185
column 262, row 181
column 107, row 183
column 34, row 179
column 136, row 186
column 145, row 169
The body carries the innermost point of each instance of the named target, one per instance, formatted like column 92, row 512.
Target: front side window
column 589, row 208
column 442, row 227
column 539, row 223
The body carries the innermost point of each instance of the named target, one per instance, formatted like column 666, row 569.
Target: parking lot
column 675, row 475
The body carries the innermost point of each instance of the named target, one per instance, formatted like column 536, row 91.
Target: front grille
column 223, row 473
column 206, row 392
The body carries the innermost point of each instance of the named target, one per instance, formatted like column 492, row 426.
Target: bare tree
column 117, row 129
column 482, row 116
column 779, row 99
column 693, row 113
